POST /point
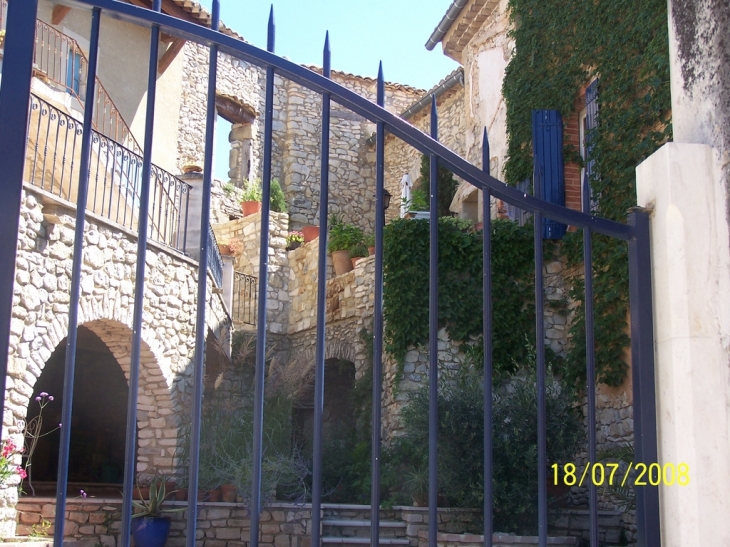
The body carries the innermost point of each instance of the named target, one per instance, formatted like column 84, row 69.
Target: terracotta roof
column 392, row 85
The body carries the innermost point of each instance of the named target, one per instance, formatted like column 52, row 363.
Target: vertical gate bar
column 642, row 364
column 131, row 435
column 377, row 319
column 590, row 366
column 321, row 296
column 540, row 362
column 433, row 327
column 200, row 326
column 258, row 420
column 73, row 308
column 487, row 336
column 14, row 114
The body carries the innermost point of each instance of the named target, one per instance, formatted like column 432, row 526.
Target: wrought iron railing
column 60, row 59
column 115, row 175
column 245, row 294
column 215, row 260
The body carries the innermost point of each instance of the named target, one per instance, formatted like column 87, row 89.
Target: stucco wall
column 122, row 70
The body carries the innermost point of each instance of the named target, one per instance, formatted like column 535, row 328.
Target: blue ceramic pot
column 150, row 531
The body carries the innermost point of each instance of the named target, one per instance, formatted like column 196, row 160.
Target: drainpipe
column 451, row 14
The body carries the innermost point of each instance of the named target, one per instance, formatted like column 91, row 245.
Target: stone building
column 468, row 100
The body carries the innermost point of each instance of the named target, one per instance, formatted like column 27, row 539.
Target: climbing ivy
column 561, row 45
column 406, row 291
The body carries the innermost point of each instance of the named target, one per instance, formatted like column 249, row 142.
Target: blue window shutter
column 547, row 150
column 591, row 124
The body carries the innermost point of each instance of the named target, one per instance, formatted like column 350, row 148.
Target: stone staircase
column 349, row 526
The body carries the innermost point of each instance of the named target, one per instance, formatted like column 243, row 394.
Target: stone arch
column 156, row 420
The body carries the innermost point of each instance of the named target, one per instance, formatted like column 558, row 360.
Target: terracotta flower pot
column 228, row 493
column 250, row 207
column 371, row 250
column 181, row 494
column 342, row 262
column 310, row 233
column 213, row 495
column 224, row 249
column 354, row 261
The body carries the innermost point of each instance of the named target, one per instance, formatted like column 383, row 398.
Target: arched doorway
column 338, row 415
column 98, row 425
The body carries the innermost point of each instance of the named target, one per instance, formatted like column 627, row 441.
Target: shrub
column 461, row 439
column 277, row 199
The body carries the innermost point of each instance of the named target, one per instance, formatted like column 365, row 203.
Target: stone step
column 351, row 528
column 362, row 541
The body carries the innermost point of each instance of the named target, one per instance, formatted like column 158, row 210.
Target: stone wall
column 297, row 134
column 97, row 521
column 349, row 309
column 247, row 230
column 401, row 158
column 237, row 79
column 40, row 319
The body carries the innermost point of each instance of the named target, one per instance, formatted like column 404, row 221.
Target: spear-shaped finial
column 381, row 85
column 485, row 152
column 326, row 56
column 216, row 18
column 434, row 119
column 270, row 33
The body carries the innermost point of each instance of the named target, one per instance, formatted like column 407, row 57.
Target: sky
column 362, row 33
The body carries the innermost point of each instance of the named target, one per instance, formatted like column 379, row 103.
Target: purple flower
column 83, row 494
column 37, row 398
column 59, row 425
column 50, row 397
column 43, row 394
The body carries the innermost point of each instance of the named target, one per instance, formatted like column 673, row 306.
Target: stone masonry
column 40, row 320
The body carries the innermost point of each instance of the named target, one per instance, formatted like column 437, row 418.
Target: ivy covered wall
column 559, row 47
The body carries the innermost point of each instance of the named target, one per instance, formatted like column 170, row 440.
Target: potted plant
column 150, row 527
column 251, row 197
column 229, row 247
column 418, row 206
column 310, row 232
column 369, row 242
column 357, row 252
column 294, row 240
column 343, row 236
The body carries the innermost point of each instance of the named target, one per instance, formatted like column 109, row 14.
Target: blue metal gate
column 14, row 101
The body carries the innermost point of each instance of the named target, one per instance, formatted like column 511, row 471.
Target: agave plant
column 152, row 507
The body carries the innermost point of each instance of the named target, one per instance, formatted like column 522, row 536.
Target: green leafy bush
column 461, row 441
column 447, row 186
column 277, row 199
column 405, row 297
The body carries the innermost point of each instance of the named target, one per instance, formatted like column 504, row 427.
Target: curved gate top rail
column 366, row 108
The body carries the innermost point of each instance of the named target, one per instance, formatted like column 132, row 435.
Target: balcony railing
column 60, row 59
column 245, row 296
column 53, row 157
column 215, row 260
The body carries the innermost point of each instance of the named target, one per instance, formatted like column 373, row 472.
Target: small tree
column 447, row 185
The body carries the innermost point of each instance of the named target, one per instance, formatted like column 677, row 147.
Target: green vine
column 561, row 45
column 406, row 274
